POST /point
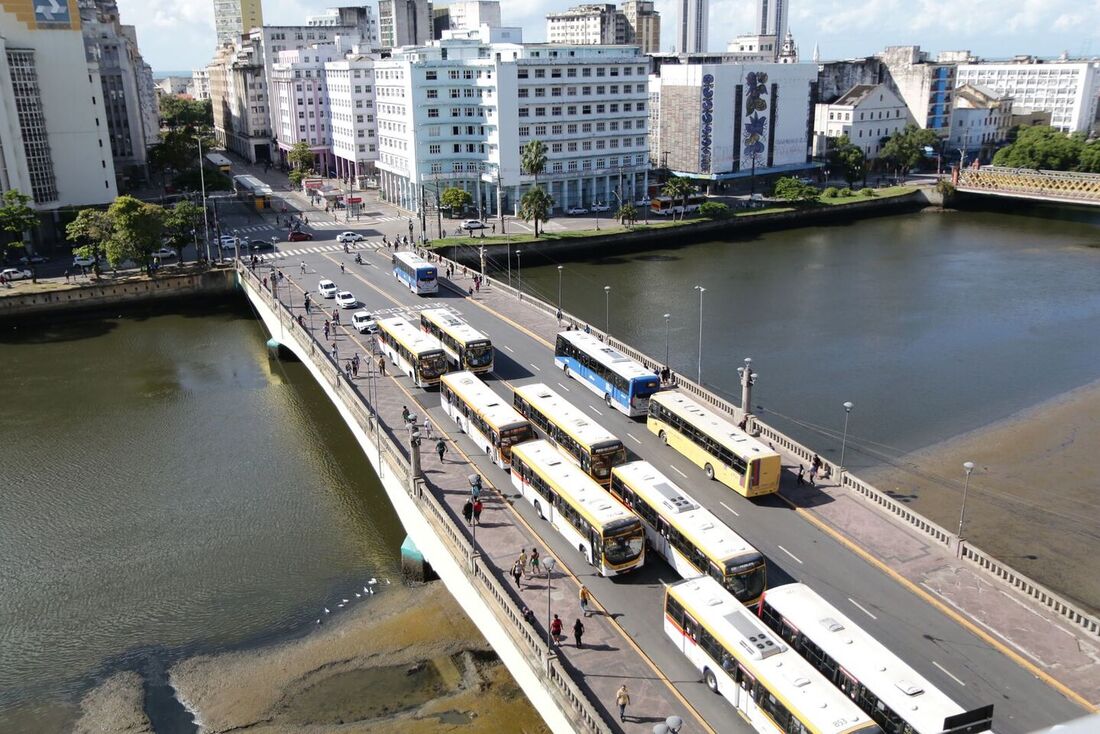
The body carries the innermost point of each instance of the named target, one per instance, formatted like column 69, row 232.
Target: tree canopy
column 846, row 158
column 181, row 221
column 535, row 205
column 678, row 189
column 92, row 228
column 137, row 229
column 181, row 113
column 454, row 198
column 16, row 215
column 533, row 158
column 1044, row 148
column 791, row 189
column 906, row 148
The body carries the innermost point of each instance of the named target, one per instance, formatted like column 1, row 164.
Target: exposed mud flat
column 116, row 706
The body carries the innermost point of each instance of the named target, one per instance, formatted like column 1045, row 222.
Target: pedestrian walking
column 522, row 561
column 347, row 369
column 66, row 275
column 584, row 599
column 326, row 328
column 342, row 267
column 517, row 574
column 468, row 512
column 622, row 700
column 477, row 285
column 801, row 475
column 494, row 227
column 475, row 488
column 555, row 629
column 335, row 316
column 440, row 448
column 381, row 365
column 405, row 414
column 477, row 510
column 578, row 630
column 355, row 366
column 302, row 267
column 335, row 356
column 427, row 432
column 534, row 561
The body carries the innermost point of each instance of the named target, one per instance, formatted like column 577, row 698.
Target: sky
column 179, row 35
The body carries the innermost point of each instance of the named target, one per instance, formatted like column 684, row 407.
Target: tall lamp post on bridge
column 519, row 276
column 607, row 311
column 205, row 217
column 699, row 375
column 666, row 338
column 968, row 467
column 560, row 268
column 844, row 441
column 548, row 564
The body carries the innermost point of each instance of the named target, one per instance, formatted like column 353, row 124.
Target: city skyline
column 180, row 36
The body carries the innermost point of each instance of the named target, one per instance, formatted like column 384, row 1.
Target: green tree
column 456, row 199
column 791, row 189
column 535, row 205
column 678, row 189
column 1043, row 148
column 181, row 221
column 533, row 159
column 627, row 213
column 846, row 158
column 16, row 216
column 178, row 113
column 300, row 156
column 1090, row 158
column 714, row 210
column 905, row 148
column 93, row 228
column 138, row 230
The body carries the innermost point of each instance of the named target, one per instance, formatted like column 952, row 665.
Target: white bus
column 484, row 416
column 608, row 535
column 579, row 437
column 774, row 689
column 687, row 535
column 466, row 347
column 898, row 698
column 723, row 450
column 418, row 355
column 622, row 382
column 415, row 272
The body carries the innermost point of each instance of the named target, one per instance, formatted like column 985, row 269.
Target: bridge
column 1063, row 187
column 975, row 627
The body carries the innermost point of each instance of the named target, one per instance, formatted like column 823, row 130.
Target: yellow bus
column 582, row 439
column 724, row 451
column 608, row 535
column 688, row 535
column 773, row 688
column 418, row 355
column 466, row 347
column 484, row 416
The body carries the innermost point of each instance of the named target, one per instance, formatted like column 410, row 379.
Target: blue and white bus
column 415, row 272
column 622, row 382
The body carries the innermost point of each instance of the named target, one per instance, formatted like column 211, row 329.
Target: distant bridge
column 1065, row 187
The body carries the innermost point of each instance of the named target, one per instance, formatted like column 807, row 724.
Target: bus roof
column 251, row 184
column 572, row 484
column 699, row 524
column 613, row 358
column 714, row 425
column 579, row 426
column 450, row 322
column 218, row 159
column 496, row 411
column 793, row 680
column 412, row 338
column 413, row 260
column 900, row 687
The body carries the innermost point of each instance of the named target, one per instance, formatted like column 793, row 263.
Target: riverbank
column 406, row 660
column 1032, row 498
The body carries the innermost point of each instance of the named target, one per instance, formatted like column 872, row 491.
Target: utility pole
column 205, row 220
column 500, row 199
column 423, row 214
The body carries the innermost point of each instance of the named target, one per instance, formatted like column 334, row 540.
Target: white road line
column 945, row 670
column 513, row 351
column 595, row 411
column 792, row 555
column 628, row 434
column 535, row 367
column 685, row 476
column 860, row 608
column 563, row 387
column 735, row 512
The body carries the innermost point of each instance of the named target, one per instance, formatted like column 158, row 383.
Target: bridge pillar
column 278, row 350
column 748, row 379
column 414, row 567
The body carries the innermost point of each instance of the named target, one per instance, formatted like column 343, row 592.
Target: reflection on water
column 168, row 488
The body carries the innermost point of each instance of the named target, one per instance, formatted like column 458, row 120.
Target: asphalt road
column 962, row 665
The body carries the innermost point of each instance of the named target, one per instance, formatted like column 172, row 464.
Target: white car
column 364, row 322
column 601, row 208
column 576, row 210
column 230, row 243
column 327, row 289
column 349, row 237
column 83, row 262
column 473, row 224
column 15, row 274
column 344, row 299
column 641, row 202
column 164, row 253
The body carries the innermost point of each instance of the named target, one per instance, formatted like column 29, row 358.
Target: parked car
column 229, row 244
column 642, row 202
column 349, row 237
column 33, row 259
column 601, row 208
column 260, row 246
column 364, row 322
column 83, row 262
column 15, row 274
column 164, row 253
column 576, row 210
column 327, row 289
column 300, row 237
column 474, row 224
column 344, row 299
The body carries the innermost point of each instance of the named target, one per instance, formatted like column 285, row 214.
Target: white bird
column 358, row 595
column 366, row 589
column 339, row 606
column 372, row 581
column 318, row 620
column 372, row 591
column 326, row 610
column 387, row 582
column 344, row 600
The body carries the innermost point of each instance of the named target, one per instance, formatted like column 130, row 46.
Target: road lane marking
column 628, row 434
column 948, row 672
column 595, row 411
column 792, row 555
column 563, row 387
column 535, row 367
column 513, row 351
column 735, row 512
column 685, row 476
column 860, row 608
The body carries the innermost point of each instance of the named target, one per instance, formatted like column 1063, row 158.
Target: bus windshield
column 623, row 541
column 426, row 274
column 745, row 581
column 645, row 387
column 479, row 354
column 606, row 456
column 432, row 365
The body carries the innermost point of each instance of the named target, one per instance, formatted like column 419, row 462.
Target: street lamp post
column 607, row 311
column 666, row 338
column 968, row 466
column 519, row 276
column 548, row 564
column 844, row 440
column 205, row 218
column 560, row 268
column 699, row 375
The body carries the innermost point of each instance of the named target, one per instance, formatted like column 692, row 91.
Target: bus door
column 662, row 545
column 754, row 474
column 746, row 683
column 691, row 634
column 847, row 683
column 595, row 545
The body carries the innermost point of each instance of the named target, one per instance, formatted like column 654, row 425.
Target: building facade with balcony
column 299, row 99
column 1069, row 91
column 352, row 124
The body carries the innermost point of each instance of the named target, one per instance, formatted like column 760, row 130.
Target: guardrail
column 931, row 531
column 578, row 706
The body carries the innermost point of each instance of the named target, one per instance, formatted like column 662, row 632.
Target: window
column 435, row 149
column 540, row 130
column 522, row 92
column 433, row 112
column 433, row 94
column 540, row 73
column 524, row 131
column 601, row 90
column 555, row 147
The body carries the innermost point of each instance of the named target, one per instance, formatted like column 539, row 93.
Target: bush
column 830, row 193
column 714, row 210
column 867, row 192
column 845, row 191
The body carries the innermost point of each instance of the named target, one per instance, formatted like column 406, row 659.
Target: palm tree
column 533, row 160
column 678, row 188
column 535, row 204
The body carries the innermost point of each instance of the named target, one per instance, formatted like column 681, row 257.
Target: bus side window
column 690, row 626
column 744, row 678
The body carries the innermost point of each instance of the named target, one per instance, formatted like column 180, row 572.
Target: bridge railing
column 578, row 706
column 1027, row 182
column 931, row 531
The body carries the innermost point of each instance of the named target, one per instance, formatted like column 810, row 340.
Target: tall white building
column 200, row 84
column 1068, row 90
column 691, row 26
column 360, row 17
column 771, row 19
column 866, row 113
column 458, row 113
column 470, row 15
column 238, row 94
column 54, row 138
column 404, row 22
column 594, row 23
column 300, row 101
column 352, row 125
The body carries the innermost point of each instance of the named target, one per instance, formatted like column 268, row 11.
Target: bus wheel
column 710, row 680
column 538, row 510
column 607, row 399
column 709, row 471
column 663, row 436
